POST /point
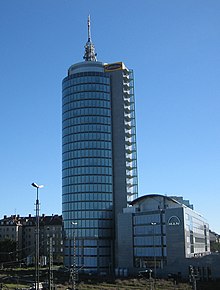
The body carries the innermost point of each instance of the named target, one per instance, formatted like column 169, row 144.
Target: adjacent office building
column 99, row 161
column 158, row 232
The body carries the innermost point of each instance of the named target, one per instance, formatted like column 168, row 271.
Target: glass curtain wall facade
column 149, row 240
column 87, row 168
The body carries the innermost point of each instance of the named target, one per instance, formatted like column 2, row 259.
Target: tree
column 7, row 250
column 215, row 247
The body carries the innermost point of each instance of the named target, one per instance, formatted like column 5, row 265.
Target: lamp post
column 154, row 224
column 74, row 257
column 37, row 278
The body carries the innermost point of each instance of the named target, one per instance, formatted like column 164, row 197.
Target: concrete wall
column 119, row 157
column 125, row 241
column 207, row 267
column 118, row 136
column 175, row 234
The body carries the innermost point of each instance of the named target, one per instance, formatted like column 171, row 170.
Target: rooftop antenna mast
column 89, row 54
column 89, row 29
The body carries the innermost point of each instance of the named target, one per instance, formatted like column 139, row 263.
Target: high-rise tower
column 99, row 158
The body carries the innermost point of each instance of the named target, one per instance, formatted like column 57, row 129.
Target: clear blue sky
column 174, row 49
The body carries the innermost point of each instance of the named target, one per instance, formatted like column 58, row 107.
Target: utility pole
column 51, row 263
column 74, row 258
column 193, row 277
column 154, row 246
column 72, row 268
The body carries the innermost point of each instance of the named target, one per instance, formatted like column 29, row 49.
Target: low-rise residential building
column 214, row 237
column 11, row 229
column 22, row 230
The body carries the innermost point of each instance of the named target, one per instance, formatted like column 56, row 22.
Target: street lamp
column 154, row 224
column 37, row 279
column 74, row 257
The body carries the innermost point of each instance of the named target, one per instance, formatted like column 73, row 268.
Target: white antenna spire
column 89, row 30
